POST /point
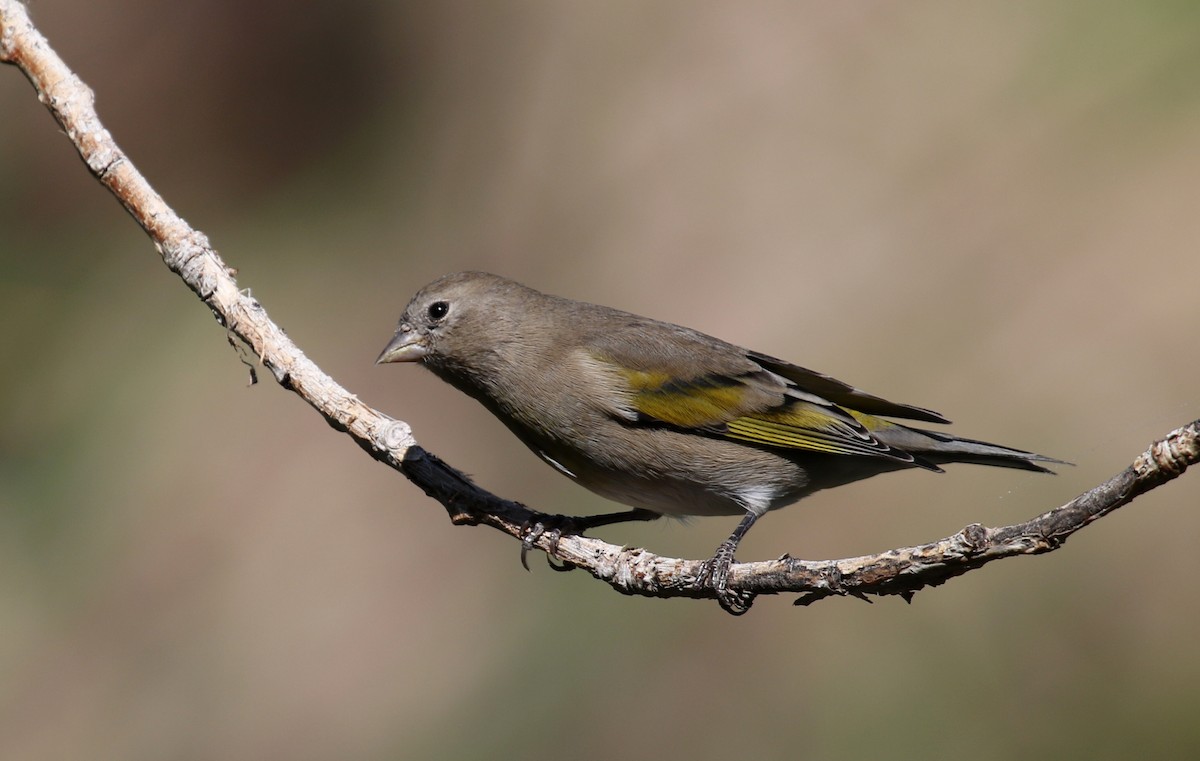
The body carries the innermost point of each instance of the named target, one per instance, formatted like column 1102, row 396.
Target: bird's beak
column 406, row 346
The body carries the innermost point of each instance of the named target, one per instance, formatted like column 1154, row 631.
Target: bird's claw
column 714, row 573
column 554, row 526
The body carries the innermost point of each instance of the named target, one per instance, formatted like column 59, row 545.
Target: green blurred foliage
column 986, row 208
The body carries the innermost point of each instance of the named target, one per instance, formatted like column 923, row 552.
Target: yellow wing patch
column 696, row 403
column 730, row 407
column 808, row 427
column 870, row 422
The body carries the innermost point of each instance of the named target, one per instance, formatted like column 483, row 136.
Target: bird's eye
column 438, row 310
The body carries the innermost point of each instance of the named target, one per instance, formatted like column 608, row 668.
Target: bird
column 662, row 418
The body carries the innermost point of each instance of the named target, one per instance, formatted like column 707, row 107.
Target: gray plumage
column 662, row 417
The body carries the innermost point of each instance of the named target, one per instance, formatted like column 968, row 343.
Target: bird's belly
column 679, row 474
column 663, row 495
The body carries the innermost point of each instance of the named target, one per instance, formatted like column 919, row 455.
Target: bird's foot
column 714, row 573
column 554, row 526
column 558, row 525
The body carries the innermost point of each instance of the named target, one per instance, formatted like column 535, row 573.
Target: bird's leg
column 557, row 525
column 715, row 570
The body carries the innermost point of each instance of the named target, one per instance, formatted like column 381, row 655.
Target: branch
column 633, row 571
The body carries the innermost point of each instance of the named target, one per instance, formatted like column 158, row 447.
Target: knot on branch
column 974, row 538
column 1172, row 455
column 396, row 435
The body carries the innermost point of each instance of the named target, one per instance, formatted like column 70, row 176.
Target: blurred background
column 986, row 209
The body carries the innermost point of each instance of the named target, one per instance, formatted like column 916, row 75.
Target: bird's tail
column 939, row 448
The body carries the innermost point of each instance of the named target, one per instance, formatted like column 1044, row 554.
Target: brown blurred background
column 990, row 210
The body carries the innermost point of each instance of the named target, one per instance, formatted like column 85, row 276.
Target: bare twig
column 632, row 571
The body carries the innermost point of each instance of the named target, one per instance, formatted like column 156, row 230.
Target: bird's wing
column 842, row 394
column 726, row 394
